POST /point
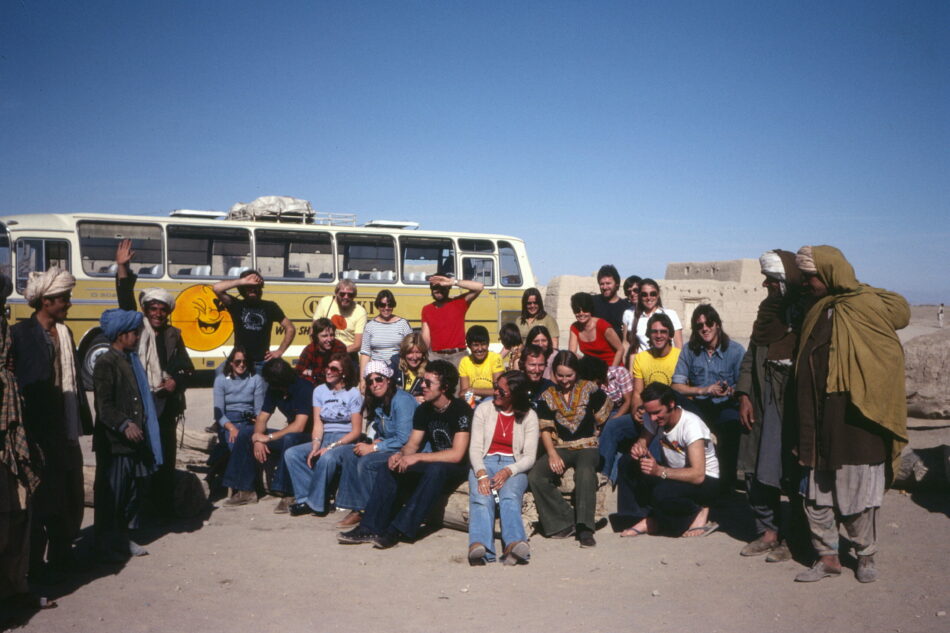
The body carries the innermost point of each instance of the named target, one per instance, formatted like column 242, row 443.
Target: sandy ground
column 247, row 569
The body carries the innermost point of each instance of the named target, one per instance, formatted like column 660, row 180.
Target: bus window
column 98, row 240
column 425, row 256
column 198, row 251
column 294, row 255
column 39, row 255
column 510, row 270
column 366, row 257
column 479, row 269
column 476, row 246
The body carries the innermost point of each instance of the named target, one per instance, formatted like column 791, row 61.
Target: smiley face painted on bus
column 203, row 322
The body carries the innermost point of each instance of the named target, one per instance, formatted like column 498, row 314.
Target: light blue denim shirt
column 702, row 369
column 394, row 429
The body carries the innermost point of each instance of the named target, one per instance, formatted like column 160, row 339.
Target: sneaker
column 516, row 553
column 567, row 532
column 300, row 509
column 758, row 547
column 816, row 572
column 241, row 498
column 386, row 541
column 356, row 536
column 780, row 554
column 137, row 550
column 476, row 555
column 586, row 538
column 866, row 572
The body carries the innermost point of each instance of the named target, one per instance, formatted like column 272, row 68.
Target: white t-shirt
column 689, row 429
column 630, row 315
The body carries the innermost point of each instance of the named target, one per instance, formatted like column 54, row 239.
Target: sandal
column 631, row 532
column 701, row 531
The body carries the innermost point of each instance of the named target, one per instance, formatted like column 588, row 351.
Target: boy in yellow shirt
column 480, row 369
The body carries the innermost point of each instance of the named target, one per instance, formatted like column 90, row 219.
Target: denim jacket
column 702, row 369
column 393, row 430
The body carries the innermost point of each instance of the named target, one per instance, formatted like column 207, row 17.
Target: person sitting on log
column 256, row 446
column 442, row 421
column 389, row 412
column 503, row 449
column 571, row 415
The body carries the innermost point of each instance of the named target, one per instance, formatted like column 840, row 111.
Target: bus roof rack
column 334, row 219
column 391, row 224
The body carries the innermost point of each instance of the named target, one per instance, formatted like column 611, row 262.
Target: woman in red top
column 593, row 336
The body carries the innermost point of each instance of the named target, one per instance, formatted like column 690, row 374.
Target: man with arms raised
column 443, row 320
column 253, row 317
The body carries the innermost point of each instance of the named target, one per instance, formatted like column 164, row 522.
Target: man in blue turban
column 126, row 440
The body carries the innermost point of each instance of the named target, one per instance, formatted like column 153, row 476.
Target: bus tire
column 89, row 352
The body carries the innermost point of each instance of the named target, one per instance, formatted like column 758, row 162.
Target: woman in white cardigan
column 502, row 450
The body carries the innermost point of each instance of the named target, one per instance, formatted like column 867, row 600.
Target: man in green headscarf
column 851, row 404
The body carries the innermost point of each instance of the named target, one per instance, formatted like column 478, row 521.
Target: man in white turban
column 55, row 414
column 167, row 365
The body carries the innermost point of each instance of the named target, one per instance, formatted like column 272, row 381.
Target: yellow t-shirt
column 480, row 376
column 649, row 369
column 347, row 327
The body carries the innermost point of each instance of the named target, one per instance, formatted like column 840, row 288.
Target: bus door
column 480, row 263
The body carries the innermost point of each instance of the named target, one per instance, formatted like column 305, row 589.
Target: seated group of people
column 670, row 426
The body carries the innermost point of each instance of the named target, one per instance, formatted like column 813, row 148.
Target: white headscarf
column 52, row 282
column 157, row 294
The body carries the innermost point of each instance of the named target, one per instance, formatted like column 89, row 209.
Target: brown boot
column 354, row 518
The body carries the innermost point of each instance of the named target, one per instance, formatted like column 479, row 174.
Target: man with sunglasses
column 443, row 320
column 348, row 316
column 443, row 422
column 254, row 317
column 707, row 372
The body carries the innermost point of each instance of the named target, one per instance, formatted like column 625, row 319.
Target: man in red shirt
column 443, row 320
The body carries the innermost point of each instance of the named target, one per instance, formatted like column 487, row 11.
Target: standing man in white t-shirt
column 673, row 498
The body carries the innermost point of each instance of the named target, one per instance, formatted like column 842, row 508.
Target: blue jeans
column 481, row 508
column 243, row 467
column 427, row 482
column 310, row 485
column 616, row 438
column 358, row 478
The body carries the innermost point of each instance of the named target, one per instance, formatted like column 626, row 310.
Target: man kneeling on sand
column 442, row 421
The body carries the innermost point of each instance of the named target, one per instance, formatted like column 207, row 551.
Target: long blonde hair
column 410, row 341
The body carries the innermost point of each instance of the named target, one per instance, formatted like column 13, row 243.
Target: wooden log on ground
column 191, row 493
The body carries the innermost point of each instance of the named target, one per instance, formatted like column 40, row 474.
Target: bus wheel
column 89, row 354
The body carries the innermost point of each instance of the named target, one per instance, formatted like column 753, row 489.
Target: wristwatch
column 663, row 474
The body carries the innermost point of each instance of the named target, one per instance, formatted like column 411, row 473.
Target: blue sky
column 629, row 132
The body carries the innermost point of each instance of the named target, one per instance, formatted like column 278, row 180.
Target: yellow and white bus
column 301, row 262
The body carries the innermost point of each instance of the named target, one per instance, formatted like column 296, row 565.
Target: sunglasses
column 239, row 361
column 652, row 293
column 531, row 303
column 702, row 325
column 501, row 392
column 334, row 369
column 375, row 380
column 658, row 332
column 429, row 383
column 346, row 294
column 385, row 304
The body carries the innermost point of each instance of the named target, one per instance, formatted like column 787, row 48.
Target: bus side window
column 39, row 255
column 425, row 256
column 510, row 270
column 479, row 269
column 98, row 240
column 366, row 257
